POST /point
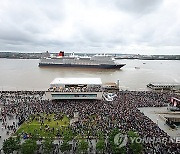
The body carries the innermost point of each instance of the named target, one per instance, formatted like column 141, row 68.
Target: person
column 95, row 115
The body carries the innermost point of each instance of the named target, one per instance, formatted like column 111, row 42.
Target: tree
column 29, row 147
column 65, row 146
column 114, row 147
column 82, row 146
column 100, row 146
column 47, row 145
column 68, row 135
column 11, row 145
column 134, row 146
column 100, row 135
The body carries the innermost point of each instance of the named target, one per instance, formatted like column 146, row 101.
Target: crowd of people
column 96, row 115
column 94, row 88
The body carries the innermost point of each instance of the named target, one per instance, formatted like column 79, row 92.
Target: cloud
column 136, row 26
column 138, row 6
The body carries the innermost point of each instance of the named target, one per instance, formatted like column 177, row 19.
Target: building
column 75, row 88
column 164, row 86
column 111, row 86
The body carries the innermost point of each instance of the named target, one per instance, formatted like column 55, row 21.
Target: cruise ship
column 96, row 61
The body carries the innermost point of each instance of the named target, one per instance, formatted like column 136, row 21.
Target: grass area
column 59, row 127
column 50, row 128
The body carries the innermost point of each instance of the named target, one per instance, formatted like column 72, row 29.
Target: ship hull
column 102, row 66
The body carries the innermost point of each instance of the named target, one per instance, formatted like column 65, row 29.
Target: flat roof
column 76, row 81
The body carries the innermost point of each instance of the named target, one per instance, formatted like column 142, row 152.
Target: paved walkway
column 3, row 131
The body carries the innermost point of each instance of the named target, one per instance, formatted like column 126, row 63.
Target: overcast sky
column 122, row 26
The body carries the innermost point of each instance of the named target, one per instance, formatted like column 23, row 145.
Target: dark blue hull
column 103, row 66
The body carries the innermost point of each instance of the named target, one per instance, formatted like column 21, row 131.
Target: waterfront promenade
column 122, row 113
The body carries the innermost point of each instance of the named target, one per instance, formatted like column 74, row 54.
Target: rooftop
column 76, row 81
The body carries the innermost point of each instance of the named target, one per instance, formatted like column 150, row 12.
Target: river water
column 22, row 74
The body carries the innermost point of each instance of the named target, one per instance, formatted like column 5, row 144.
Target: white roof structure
column 76, row 81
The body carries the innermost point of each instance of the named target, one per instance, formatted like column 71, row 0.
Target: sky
column 92, row 26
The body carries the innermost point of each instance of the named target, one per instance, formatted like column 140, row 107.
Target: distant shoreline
column 19, row 55
column 116, row 58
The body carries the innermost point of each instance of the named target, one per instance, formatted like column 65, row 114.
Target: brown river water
column 22, row 74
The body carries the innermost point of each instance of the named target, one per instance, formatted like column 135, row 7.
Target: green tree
column 82, row 146
column 134, row 145
column 11, row 145
column 100, row 146
column 29, row 147
column 114, row 147
column 65, row 146
column 100, row 135
column 47, row 145
column 68, row 135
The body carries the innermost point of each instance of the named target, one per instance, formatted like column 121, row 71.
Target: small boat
column 137, row 67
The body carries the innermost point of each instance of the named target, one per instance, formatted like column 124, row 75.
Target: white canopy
column 76, row 81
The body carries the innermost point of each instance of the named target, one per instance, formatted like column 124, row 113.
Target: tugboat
column 97, row 61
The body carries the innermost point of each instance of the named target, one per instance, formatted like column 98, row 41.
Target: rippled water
column 21, row 74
